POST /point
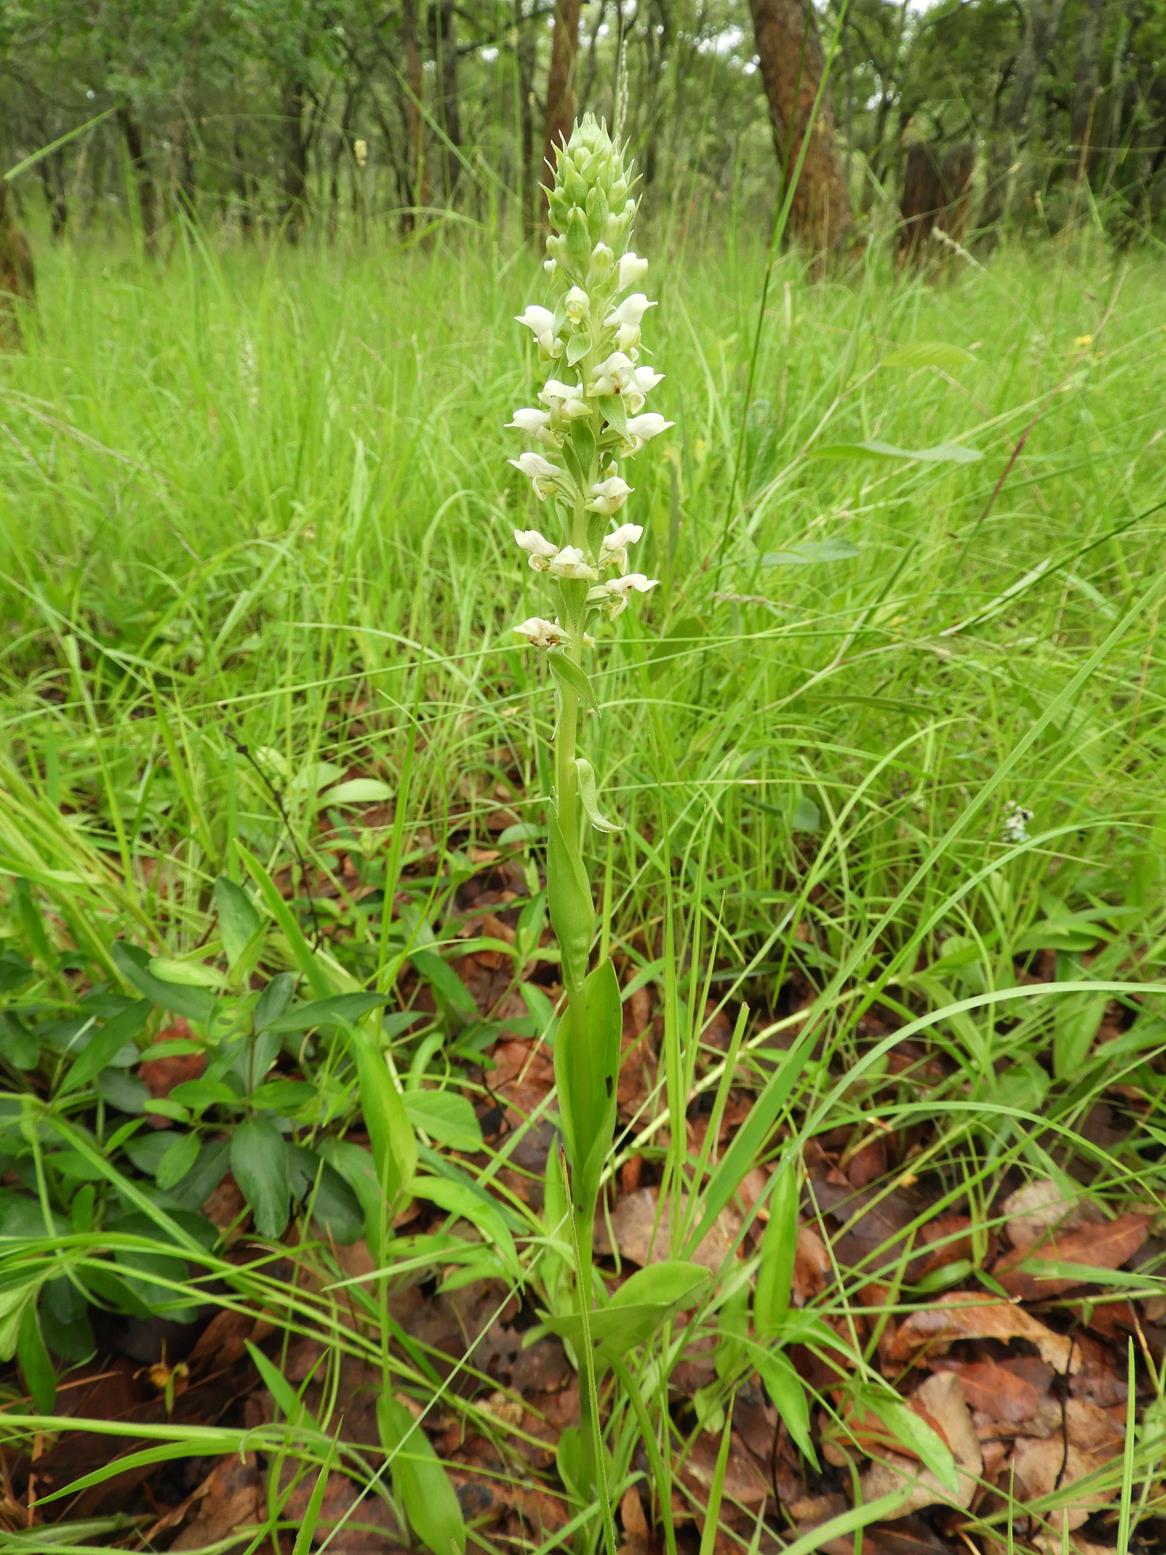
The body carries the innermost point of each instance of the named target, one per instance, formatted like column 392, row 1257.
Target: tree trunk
column 444, row 49
column 1091, row 30
column 419, row 183
column 526, row 44
column 791, row 69
column 1042, row 22
column 561, row 79
column 295, row 160
column 52, row 180
column 17, row 276
column 143, row 180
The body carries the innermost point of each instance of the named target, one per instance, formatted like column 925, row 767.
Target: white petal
column 631, row 269
column 648, row 426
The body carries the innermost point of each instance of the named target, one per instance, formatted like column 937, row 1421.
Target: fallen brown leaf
column 965, row 1314
column 642, row 1229
column 1042, row 1467
column 228, row 1499
column 1038, row 1208
column 1105, row 1246
column 1013, row 1393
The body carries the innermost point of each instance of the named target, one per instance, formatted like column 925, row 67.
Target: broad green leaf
column 586, row 1067
column 419, row 1480
column 326, row 1014
column 177, row 1159
column 788, row 1397
column 941, row 453
column 35, row 1366
column 569, row 675
column 1076, row 1018
column 475, row 1208
column 812, row 553
column 929, row 353
column 358, row 791
column 259, row 1166
column 100, row 1050
column 806, row 817
column 446, row 1116
column 771, row 1295
column 569, row 902
column 445, row 982
column 196, row 1004
column 394, row 1145
column 187, row 974
column 589, row 799
column 637, row 1309
column 274, row 1000
column 239, row 923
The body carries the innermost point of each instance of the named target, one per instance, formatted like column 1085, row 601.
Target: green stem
column 595, row 1463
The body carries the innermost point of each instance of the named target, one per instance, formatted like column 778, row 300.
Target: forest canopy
column 299, row 114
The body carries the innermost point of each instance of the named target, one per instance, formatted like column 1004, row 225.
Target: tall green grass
column 255, row 519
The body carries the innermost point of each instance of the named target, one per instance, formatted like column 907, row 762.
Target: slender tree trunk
column 17, row 275
column 526, row 45
column 243, row 188
column 147, row 195
column 561, row 79
column 1041, row 26
column 444, row 49
column 418, row 183
column 295, row 160
column 791, row 69
column 52, row 180
column 1091, row 29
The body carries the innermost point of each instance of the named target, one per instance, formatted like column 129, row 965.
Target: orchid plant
column 589, row 421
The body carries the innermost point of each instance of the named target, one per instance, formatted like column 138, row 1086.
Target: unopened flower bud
column 571, row 563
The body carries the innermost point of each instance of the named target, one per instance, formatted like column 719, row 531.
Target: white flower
column 541, row 323
column 536, row 424
column 608, row 496
column 618, row 589
column 577, row 303
column 1016, row 819
column 613, row 552
column 631, row 269
column 570, row 562
column 549, row 266
column 540, row 633
column 565, row 399
column 613, row 374
column 627, row 318
column 642, row 428
column 538, row 548
column 543, row 475
column 644, row 379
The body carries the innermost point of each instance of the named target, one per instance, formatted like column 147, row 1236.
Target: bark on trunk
column 525, row 51
column 419, row 184
column 444, row 46
column 295, row 161
column 561, row 80
column 147, row 195
column 1092, row 29
column 936, row 196
column 791, row 69
column 17, row 276
column 1041, row 24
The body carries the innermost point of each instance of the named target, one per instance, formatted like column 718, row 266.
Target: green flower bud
column 578, row 242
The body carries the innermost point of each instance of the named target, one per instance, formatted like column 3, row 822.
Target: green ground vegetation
column 265, row 739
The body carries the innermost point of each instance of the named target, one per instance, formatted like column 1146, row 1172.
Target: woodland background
column 294, row 114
